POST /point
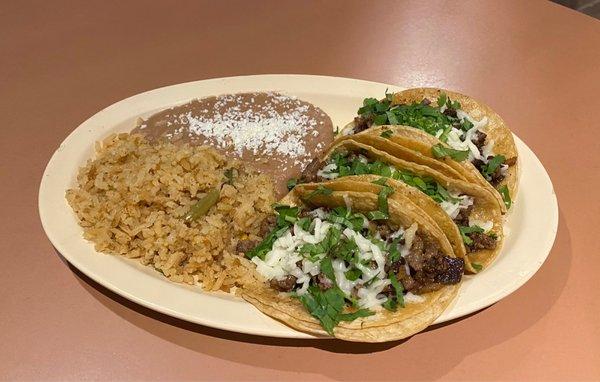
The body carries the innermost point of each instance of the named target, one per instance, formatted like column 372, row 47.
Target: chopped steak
column 453, row 269
column 511, row 161
column 395, row 266
column 244, row 246
column 415, row 257
column 430, row 268
column 384, row 231
column 450, row 112
column 463, row 216
column 361, row 124
column 322, row 281
column 310, row 172
column 481, row 241
column 497, row 176
column 479, row 140
column 426, row 102
column 494, row 178
column 479, row 164
column 286, row 284
column 267, row 225
column 408, row 283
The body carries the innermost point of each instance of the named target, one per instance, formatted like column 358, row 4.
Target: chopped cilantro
column 267, row 244
column 440, row 151
column 466, row 125
column 492, row 165
column 286, row 214
column 353, row 274
column 291, row 183
column 321, row 190
column 377, row 215
column 313, row 251
column 394, row 253
column 382, row 199
column 327, row 269
column 478, row 267
column 464, row 231
column 505, row 196
column 357, row 166
column 387, row 133
column 393, row 302
column 286, row 217
column 380, row 181
column 421, row 115
column 441, row 101
column 327, row 306
column 304, row 223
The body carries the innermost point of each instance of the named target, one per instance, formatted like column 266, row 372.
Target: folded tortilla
column 420, row 142
column 384, row 325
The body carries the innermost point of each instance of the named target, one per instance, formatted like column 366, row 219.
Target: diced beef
column 426, row 102
column 384, row 231
column 430, row 268
column 322, row 281
column 511, row 161
column 362, row 124
column 388, row 290
column 479, row 164
column 496, row 177
column 267, row 225
column 450, row 112
column 451, row 270
column 310, row 172
column 481, row 241
column 285, row 284
column 463, row 216
column 395, row 266
column 479, row 140
column 408, row 283
column 438, row 271
column 416, row 258
column 244, row 246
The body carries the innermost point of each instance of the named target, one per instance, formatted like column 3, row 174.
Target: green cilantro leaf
column 320, row 190
column 291, row 183
column 493, row 164
column 349, row 317
column 392, row 303
column 353, row 274
column 387, row 133
column 441, row 101
column 464, row 231
column 440, row 151
column 505, row 196
column 327, row 306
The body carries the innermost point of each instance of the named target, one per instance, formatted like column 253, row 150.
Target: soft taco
column 354, row 265
column 469, row 215
column 454, row 129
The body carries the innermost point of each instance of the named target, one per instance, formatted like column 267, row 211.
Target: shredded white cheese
column 283, row 259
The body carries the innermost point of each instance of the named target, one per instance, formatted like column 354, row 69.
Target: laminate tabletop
column 536, row 63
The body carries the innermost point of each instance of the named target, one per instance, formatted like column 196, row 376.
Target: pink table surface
column 536, row 63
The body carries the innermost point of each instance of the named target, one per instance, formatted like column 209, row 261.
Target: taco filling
column 343, row 265
column 445, row 120
column 476, row 234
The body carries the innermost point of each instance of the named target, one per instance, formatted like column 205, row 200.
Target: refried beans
column 278, row 135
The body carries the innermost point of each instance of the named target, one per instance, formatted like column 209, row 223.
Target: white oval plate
column 532, row 224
